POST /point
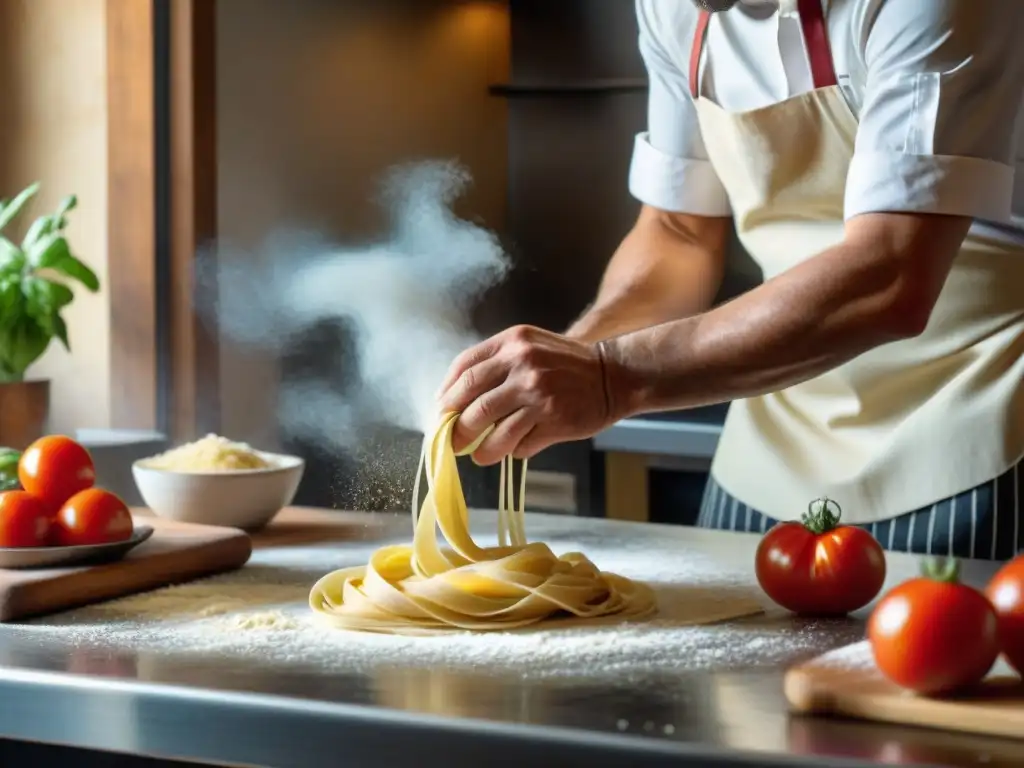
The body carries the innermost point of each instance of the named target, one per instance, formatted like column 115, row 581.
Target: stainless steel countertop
column 239, row 712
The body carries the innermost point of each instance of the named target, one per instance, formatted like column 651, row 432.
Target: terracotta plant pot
column 24, row 412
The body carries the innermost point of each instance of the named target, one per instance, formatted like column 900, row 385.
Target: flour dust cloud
column 403, row 302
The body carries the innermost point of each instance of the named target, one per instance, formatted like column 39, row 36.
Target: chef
column 865, row 152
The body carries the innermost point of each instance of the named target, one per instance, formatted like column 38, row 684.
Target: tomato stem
column 822, row 520
column 944, row 569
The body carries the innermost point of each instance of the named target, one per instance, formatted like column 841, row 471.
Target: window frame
column 162, row 209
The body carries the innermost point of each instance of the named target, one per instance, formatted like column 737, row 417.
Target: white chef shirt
column 938, row 87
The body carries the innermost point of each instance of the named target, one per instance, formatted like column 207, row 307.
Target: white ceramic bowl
column 246, row 499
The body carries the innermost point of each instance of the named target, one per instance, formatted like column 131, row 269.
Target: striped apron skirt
column 983, row 523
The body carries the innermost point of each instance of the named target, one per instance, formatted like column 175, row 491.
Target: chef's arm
column 878, row 285
column 671, row 263
column 669, row 266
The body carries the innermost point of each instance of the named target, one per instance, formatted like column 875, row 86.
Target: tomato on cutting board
column 934, row 635
column 1006, row 593
column 819, row 567
column 24, row 520
column 92, row 516
column 55, row 468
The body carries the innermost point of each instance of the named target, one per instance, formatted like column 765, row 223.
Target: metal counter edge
column 176, row 722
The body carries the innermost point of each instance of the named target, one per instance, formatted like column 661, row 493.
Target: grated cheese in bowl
column 215, row 481
column 212, row 453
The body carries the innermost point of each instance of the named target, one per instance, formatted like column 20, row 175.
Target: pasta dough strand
column 427, row 589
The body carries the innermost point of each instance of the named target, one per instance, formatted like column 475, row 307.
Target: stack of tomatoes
column 57, row 504
column 932, row 635
column 935, row 635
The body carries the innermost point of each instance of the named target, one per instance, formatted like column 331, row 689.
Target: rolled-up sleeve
column 670, row 169
column 944, row 82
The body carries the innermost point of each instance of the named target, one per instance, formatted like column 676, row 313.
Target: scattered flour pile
column 260, row 614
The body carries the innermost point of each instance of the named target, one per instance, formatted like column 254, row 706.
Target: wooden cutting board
column 846, row 683
column 296, row 526
column 176, row 552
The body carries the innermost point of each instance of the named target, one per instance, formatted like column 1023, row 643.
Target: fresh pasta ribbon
column 426, row 588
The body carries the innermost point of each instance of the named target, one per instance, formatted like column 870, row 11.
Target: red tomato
column 1006, row 593
column 93, row 516
column 818, row 567
column 55, row 468
column 933, row 634
column 24, row 520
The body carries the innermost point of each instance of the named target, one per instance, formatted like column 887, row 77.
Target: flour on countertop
column 194, row 600
column 858, row 656
column 851, row 657
column 261, row 613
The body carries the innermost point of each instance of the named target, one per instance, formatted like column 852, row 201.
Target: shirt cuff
column 943, row 184
column 676, row 184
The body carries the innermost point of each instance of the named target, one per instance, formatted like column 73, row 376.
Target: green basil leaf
column 37, row 299
column 10, row 300
column 58, row 294
column 28, row 340
column 71, row 267
column 60, row 330
column 45, row 296
column 69, row 203
column 53, row 252
column 48, row 250
column 8, row 321
column 12, row 258
column 9, row 210
column 10, row 482
column 49, row 225
column 42, row 226
column 7, row 372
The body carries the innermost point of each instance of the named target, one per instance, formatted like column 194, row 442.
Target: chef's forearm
column 848, row 300
column 668, row 266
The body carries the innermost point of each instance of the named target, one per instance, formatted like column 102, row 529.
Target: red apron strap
column 819, row 52
column 698, row 47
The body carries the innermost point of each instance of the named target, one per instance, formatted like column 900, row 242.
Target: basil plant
column 34, row 284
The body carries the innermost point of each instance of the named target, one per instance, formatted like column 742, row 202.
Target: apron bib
column 902, row 427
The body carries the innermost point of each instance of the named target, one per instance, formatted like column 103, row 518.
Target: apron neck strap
column 698, row 45
column 815, row 31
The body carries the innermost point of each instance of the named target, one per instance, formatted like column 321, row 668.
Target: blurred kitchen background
column 315, row 100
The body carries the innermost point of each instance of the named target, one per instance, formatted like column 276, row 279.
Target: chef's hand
column 538, row 388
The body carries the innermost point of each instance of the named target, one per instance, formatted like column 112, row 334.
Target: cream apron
column 905, row 430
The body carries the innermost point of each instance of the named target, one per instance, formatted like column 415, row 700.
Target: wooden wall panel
column 195, row 381
column 131, row 214
column 162, row 198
